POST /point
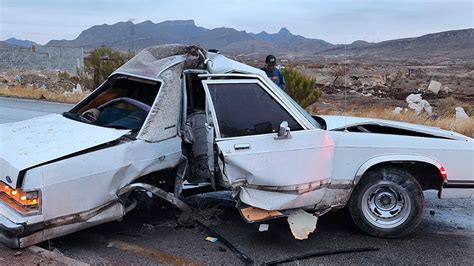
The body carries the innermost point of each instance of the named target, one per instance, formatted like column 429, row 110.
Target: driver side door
column 246, row 116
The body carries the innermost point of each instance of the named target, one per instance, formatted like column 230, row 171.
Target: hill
column 457, row 44
column 126, row 35
column 21, row 43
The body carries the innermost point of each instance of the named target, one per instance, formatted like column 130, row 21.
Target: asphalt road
column 12, row 109
column 149, row 234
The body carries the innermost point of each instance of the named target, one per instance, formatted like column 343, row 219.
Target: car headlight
column 25, row 202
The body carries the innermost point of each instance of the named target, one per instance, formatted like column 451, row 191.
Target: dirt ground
column 362, row 84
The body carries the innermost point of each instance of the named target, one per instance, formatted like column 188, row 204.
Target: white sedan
column 176, row 117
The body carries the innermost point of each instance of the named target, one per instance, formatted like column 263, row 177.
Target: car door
column 246, row 116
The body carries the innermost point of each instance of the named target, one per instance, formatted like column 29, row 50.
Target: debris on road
column 263, row 227
column 242, row 257
column 211, row 239
column 302, row 224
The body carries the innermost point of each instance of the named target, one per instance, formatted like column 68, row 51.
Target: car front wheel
column 387, row 202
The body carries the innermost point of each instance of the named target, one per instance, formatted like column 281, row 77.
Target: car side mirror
column 283, row 131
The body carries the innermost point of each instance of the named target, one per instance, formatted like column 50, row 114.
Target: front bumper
column 12, row 234
column 20, row 235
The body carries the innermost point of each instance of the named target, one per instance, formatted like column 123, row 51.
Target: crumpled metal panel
column 220, row 64
column 275, row 201
column 35, row 141
column 151, row 61
column 163, row 119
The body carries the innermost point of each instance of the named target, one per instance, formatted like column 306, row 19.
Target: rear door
column 246, row 116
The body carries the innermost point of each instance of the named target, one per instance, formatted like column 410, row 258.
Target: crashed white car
column 178, row 118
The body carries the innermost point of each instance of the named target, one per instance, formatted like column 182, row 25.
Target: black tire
column 380, row 190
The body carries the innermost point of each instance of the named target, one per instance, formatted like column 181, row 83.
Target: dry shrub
column 43, row 94
column 446, row 106
column 448, row 122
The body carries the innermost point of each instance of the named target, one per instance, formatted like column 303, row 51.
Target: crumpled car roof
column 151, row 61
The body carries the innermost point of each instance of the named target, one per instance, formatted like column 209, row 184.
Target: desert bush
column 300, row 87
column 100, row 63
column 66, row 76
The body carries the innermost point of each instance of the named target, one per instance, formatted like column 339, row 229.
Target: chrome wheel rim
column 386, row 205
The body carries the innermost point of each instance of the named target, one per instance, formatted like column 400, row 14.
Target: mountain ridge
column 127, row 35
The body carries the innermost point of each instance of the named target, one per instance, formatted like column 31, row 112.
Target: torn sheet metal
column 162, row 121
column 151, row 61
column 302, row 224
column 35, row 141
column 252, row 214
column 268, row 200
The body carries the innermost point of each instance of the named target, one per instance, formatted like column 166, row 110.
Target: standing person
column 272, row 72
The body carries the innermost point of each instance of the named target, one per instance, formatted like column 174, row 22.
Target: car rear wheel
column 387, row 202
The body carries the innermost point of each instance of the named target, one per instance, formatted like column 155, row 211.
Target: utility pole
column 132, row 31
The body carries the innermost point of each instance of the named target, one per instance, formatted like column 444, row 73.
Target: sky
column 335, row 21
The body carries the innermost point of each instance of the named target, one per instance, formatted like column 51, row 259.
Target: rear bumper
column 457, row 189
column 459, row 184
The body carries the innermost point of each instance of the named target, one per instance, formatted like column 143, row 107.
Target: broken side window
column 121, row 102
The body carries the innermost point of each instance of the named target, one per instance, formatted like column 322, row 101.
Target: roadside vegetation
column 42, row 94
column 100, row 63
column 300, row 87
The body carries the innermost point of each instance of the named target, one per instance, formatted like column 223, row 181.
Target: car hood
column 36, row 141
column 340, row 122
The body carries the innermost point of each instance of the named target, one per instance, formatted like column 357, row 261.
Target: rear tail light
column 443, row 173
column 25, row 202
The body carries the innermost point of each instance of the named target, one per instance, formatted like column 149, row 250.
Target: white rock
column 447, row 90
column 413, row 98
column 427, row 107
column 434, row 86
column 416, row 103
column 460, row 113
column 397, row 110
column 77, row 89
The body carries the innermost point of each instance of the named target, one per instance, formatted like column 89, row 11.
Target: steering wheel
column 142, row 106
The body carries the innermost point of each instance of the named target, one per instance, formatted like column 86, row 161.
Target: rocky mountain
column 4, row 44
column 449, row 44
column 21, row 43
column 126, row 35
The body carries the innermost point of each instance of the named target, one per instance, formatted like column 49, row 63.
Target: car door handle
column 242, row 146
